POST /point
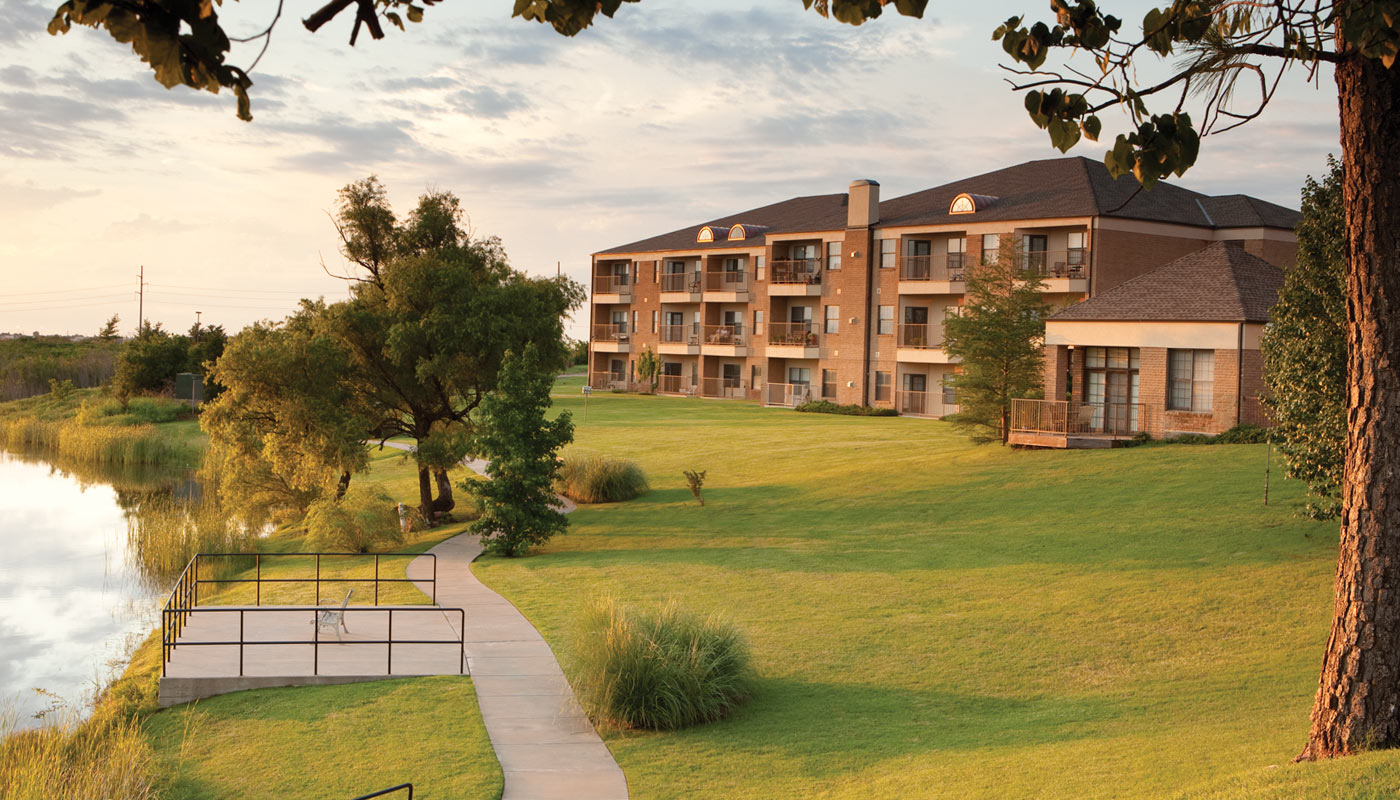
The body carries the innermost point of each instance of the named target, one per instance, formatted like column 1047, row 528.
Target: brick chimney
column 863, row 206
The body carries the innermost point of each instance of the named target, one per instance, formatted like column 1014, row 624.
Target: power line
column 107, row 303
column 219, row 289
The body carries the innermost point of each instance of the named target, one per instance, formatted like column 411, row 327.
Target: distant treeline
column 28, row 363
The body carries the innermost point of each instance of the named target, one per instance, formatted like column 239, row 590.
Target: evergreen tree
column 108, row 330
column 649, row 367
column 1305, row 348
column 998, row 338
column 518, row 501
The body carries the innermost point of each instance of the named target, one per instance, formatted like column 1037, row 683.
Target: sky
column 671, row 114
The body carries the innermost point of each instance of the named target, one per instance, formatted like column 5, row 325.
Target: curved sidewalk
column 547, row 747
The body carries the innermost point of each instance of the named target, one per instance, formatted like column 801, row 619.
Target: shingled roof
column 1219, row 283
column 821, row 212
column 1057, row 187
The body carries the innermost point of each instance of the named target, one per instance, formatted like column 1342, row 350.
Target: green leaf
column 415, row 14
column 1092, row 127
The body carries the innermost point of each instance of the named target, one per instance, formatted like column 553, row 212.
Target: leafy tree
column 1305, row 348
column 522, row 444
column 289, row 428
column 578, row 352
column 999, row 340
column 649, row 367
column 364, row 519
column 207, row 343
column 432, row 314
column 109, row 328
column 149, row 362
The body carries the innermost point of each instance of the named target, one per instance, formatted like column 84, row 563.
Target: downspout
column 1239, row 376
column 1093, row 253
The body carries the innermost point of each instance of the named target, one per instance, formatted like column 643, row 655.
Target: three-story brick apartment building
column 843, row 296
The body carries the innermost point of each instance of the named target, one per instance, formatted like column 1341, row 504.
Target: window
column 654, row 319
column 636, row 268
column 757, row 322
column 619, row 318
column 756, row 377
column 634, row 320
column 882, row 386
column 833, row 255
column 888, row 253
column 1190, row 379
column 991, row 247
column 886, row 320
column 950, row 393
column 833, row 319
column 759, row 262
column 829, row 384
column 1076, row 252
column 956, row 249
column 799, row 375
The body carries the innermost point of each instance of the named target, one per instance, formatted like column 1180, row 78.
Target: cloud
column 487, row 102
column 36, row 125
column 338, row 146
column 23, row 20
column 29, row 197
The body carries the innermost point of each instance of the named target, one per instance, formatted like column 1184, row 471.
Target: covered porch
column 1067, row 424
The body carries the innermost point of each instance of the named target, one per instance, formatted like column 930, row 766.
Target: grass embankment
column 933, row 619
column 83, row 425
column 333, row 741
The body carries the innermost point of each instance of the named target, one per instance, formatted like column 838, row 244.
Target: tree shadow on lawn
column 835, row 730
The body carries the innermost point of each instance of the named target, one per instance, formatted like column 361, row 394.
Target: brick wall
column 1122, row 255
column 1281, row 254
column 1056, row 366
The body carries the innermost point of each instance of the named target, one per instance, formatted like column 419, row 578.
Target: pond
column 75, row 597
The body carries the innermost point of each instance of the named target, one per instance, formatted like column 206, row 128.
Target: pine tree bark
column 1358, row 697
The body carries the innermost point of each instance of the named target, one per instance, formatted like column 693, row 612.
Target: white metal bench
column 334, row 618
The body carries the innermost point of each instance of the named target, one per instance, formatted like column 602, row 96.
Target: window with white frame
column 833, row 255
column 829, row 384
column 888, row 253
column 759, row 262
column 882, row 386
column 757, row 322
column 886, row 320
column 833, row 319
column 991, row 247
column 1190, row 379
column 655, row 318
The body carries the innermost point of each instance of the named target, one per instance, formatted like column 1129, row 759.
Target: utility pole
column 141, row 302
column 196, row 318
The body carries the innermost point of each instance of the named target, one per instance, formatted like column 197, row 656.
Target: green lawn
column 330, row 742
column 934, row 619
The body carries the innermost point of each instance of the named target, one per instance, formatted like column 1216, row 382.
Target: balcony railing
column 1071, row 263
column 682, row 334
column 680, row 282
column 911, row 402
column 948, row 267
column 802, row 334
column 796, row 271
column 787, row 394
column 611, row 284
column 675, row 384
column 607, row 380
column 722, row 387
column 726, row 281
column 611, row 333
column 725, row 334
column 1063, row 417
column 920, row 336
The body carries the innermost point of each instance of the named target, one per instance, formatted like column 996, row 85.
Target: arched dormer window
column 737, row 233
column 707, row 234
column 969, row 203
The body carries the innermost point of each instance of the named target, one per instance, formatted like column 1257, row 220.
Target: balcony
column 793, row 340
column 680, row 287
column 679, row 340
column 795, row 277
column 942, row 274
column 612, row 288
column 920, row 343
column 605, row 381
column 912, row 404
column 726, row 287
column 1066, row 424
column 611, row 338
column 1062, row 270
column 787, row 395
column 722, row 387
column 675, row 384
column 724, row 340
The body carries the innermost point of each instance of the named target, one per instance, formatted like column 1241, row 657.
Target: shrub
column 365, row 518
column 661, row 669
column 696, row 481
column 1243, row 434
column 106, row 756
column 597, row 479
column 854, row 410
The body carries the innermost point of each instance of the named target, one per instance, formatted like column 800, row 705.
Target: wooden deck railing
column 675, row 384
column 611, row 284
column 610, row 333
column 687, row 333
column 920, row 336
column 1063, row 417
column 796, row 270
column 787, row 394
column 680, row 282
column 947, row 267
column 722, row 387
column 607, row 380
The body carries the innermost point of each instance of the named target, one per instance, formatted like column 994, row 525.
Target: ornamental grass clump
column 597, row 479
column 660, row 669
column 364, row 520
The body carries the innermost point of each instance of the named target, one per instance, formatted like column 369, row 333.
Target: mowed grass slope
column 932, row 619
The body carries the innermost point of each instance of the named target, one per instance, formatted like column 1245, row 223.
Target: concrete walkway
column 547, row 747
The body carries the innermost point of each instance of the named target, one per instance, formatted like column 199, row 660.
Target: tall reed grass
column 106, row 756
column 661, row 669
column 139, row 444
column 597, row 479
column 164, row 534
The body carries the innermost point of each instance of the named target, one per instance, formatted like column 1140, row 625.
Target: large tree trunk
column 425, row 495
column 444, row 502
column 1358, row 695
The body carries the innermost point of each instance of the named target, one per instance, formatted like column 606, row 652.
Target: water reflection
column 78, row 583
